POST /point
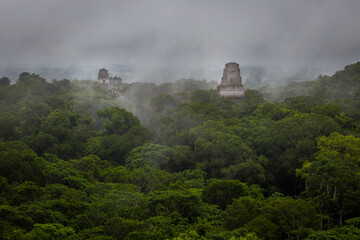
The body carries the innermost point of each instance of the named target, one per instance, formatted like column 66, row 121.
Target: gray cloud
column 180, row 33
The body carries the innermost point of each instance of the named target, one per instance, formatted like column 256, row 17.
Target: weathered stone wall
column 106, row 81
column 231, row 74
column 231, row 91
column 103, row 74
column 231, row 82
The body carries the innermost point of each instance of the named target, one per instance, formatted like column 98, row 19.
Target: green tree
column 116, row 148
column 187, row 203
column 350, row 231
column 150, row 155
column 248, row 171
column 119, row 122
column 119, row 228
column 27, row 191
column 293, row 142
column 50, row 231
column 240, row 212
column 42, row 142
column 8, row 129
column 19, row 163
column 222, row 192
column 297, row 218
column 333, row 173
column 4, row 81
column 183, row 158
column 263, row 227
column 217, row 146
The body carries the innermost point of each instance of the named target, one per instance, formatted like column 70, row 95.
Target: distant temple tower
column 231, row 84
column 106, row 81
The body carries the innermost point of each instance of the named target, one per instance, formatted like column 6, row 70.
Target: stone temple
column 109, row 82
column 231, row 84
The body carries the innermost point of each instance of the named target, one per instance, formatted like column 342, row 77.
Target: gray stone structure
column 109, row 82
column 231, row 84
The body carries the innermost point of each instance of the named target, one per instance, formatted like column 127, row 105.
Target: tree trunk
column 341, row 216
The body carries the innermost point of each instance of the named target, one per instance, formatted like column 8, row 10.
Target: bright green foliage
column 165, row 227
column 188, row 236
column 294, row 141
column 330, row 110
column 297, row 217
column 334, row 173
column 50, row 231
column 350, row 231
column 90, row 167
column 248, row 236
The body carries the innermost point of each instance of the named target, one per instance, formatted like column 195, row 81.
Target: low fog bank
column 253, row 76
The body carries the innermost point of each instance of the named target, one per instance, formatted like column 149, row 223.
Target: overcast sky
column 62, row 33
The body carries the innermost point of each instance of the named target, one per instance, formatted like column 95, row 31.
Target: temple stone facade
column 109, row 82
column 231, row 84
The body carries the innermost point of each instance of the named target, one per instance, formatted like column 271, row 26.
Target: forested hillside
column 177, row 161
column 343, row 88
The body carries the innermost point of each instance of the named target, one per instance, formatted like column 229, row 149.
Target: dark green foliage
column 240, row 212
column 263, row 228
column 19, row 163
column 74, row 164
column 184, row 202
column 333, row 177
column 342, row 88
column 150, row 155
column 50, row 231
column 297, row 217
column 119, row 228
column 350, row 231
column 120, row 121
column 222, row 192
column 116, row 147
column 4, row 81
column 8, row 129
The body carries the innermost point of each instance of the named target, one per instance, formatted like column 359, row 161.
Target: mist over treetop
column 118, row 120
column 61, row 33
column 82, row 159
